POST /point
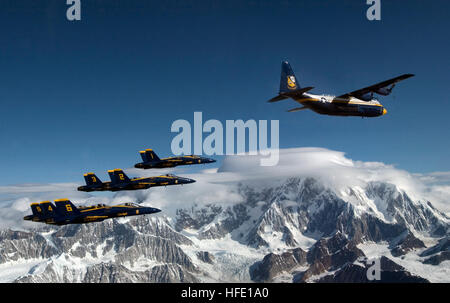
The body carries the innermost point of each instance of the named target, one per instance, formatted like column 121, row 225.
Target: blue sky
column 87, row 95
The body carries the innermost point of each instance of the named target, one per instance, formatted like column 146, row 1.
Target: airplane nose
column 187, row 180
column 150, row 210
column 384, row 111
column 155, row 210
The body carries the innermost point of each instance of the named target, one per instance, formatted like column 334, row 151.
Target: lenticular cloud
column 340, row 172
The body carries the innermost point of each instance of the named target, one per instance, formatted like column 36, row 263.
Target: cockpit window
column 132, row 204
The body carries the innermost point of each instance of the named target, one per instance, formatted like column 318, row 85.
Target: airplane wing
column 379, row 88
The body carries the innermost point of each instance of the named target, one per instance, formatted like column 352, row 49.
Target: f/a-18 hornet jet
column 120, row 181
column 360, row 102
column 64, row 212
column 151, row 160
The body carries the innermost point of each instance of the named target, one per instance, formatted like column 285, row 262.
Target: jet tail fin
column 38, row 210
column 65, row 207
column 149, row 155
column 48, row 209
column 92, row 180
column 289, row 86
column 43, row 210
column 35, row 208
column 118, row 176
column 288, row 81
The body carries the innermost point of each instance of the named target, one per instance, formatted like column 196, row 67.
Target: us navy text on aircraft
column 359, row 103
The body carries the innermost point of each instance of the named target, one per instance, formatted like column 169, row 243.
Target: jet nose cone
column 384, row 111
column 150, row 210
column 211, row 160
column 187, row 180
column 153, row 210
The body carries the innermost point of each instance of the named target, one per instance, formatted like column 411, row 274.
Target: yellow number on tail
column 68, row 207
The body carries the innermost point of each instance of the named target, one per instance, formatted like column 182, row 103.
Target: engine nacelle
column 384, row 91
column 366, row 97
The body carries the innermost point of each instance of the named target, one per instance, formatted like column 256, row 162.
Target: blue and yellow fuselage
column 137, row 183
column 66, row 213
column 329, row 105
column 174, row 161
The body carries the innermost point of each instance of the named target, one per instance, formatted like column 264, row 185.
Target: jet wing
column 376, row 88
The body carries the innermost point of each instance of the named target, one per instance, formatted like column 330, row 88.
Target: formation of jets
column 65, row 212
column 359, row 103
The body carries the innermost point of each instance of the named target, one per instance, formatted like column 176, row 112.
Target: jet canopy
column 130, row 204
column 92, row 206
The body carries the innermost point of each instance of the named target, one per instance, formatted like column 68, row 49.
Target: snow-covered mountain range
column 319, row 223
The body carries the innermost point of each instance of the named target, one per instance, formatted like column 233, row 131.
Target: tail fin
column 149, row 155
column 38, row 211
column 65, row 207
column 288, row 81
column 92, row 180
column 289, row 86
column 118, row 176
column 48, row 209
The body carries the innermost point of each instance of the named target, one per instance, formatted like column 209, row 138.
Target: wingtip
column 408, row 75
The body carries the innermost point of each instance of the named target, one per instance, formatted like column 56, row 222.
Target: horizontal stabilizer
column 278, row 98
column 299, row 91
column 291, row 94
column 297, row 109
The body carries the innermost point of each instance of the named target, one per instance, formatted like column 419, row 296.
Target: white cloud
column 218, row 185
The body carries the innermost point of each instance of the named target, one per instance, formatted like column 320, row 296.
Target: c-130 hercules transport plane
column 359, row 103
